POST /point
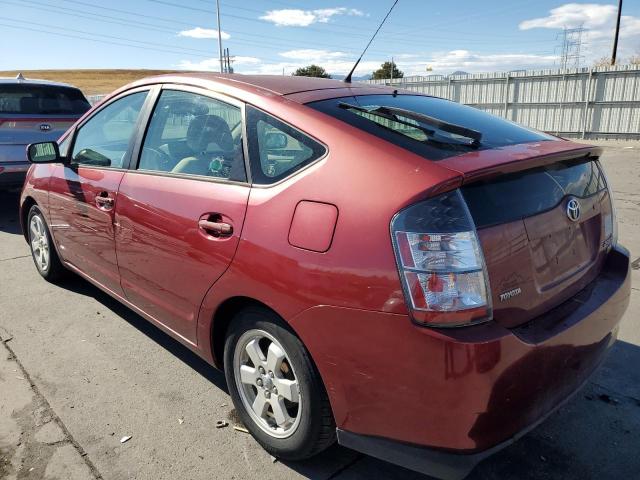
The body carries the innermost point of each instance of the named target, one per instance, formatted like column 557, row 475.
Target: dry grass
column 91, row 82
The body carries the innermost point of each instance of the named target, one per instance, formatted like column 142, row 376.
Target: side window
column 277, row 149
column 196, row 135
column 104, row 140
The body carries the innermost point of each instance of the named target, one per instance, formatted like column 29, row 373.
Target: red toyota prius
column 418, row 279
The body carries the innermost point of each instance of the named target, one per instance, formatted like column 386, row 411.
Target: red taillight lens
column 440, row 262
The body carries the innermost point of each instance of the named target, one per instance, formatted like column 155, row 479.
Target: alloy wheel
column 267, row 383
column 39, row 243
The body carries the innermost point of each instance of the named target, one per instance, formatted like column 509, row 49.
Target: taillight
column 440, row 262
column 610, row 220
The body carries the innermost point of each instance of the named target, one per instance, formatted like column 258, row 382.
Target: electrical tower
column 570, row 47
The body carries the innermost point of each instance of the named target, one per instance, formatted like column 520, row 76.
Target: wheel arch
column 27, row 203
column 222, row 318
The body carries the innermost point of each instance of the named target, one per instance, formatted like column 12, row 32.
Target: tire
column 43, row 251
column 309, row 428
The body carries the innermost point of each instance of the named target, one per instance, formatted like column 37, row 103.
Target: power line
column 185, row 49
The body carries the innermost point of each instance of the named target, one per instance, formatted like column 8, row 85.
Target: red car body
column 316, row 249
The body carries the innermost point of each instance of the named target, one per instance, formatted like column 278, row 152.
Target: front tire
column 43, row 251
column 276, row 389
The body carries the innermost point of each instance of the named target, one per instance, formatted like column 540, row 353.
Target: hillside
column 91, row 82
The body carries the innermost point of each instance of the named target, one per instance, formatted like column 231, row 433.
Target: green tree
column 312, row 71
column 385, row 71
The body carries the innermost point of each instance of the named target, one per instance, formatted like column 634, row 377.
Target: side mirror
column 45, row 152
column 275, row 140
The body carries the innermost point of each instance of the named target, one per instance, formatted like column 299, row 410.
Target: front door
column 83, row 192
column 180, row 213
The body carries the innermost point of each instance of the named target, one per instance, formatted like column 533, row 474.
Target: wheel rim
column 267, row 383
column 39, row 243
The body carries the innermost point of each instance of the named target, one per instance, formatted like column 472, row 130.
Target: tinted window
column 104, row 140
column 196, row 135
column 42, row 100
column 424, row 138
column 523, row 194
column 277, row 149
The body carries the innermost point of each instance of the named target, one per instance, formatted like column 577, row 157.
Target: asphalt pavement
column 79, row 373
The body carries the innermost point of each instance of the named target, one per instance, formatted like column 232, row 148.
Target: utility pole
column 391, row 71
column 219, row 35
column 615, row 38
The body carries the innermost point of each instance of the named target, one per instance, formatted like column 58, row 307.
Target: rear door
column 83, row 193
column 181, row 212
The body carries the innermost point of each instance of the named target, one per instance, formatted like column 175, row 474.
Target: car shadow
column 9, row 212
column 594, row 436
column 78, row 285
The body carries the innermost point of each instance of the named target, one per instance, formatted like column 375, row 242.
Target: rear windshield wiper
column 393, row 114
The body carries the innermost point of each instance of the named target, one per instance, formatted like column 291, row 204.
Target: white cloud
column 291, row 17
column 339, row 63
column 598, row 21
column 312, row 55
column 213, row 64
column 572, row 15
column 198, row 32
column 468, row 61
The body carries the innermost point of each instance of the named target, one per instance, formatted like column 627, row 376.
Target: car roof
column 300, row 89
column 35, row 82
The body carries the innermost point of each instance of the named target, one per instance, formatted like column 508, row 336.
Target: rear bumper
column 12, row 174
column 440, row 401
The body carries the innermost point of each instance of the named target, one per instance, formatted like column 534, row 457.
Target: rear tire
column 275, row 387
column 43, row 251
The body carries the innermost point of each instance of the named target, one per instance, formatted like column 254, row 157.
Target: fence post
column 587, row 96
column 506, row 96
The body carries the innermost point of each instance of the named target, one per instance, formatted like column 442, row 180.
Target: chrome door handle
column 215, row 228
column 104, row 202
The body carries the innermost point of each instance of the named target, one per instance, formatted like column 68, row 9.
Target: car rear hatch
column 31, row 112
column 18, row 131
column 543, row 216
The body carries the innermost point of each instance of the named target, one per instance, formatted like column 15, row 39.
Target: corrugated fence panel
column 587, row 103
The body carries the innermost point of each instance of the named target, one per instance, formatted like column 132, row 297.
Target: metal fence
column 93, row 99
column 593, row 103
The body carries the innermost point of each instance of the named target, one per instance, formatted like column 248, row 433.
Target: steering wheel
column 155, row 159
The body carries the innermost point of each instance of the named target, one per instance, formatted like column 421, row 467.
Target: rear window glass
column 523, row 194
column 42, row 100
column 451, row 129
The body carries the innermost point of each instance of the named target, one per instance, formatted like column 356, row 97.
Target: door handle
column 104, row 201
column 215, row 228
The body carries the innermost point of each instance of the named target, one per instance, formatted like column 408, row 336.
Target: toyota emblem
column 573, row 210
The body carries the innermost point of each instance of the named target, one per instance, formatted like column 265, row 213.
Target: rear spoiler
column 485, row 164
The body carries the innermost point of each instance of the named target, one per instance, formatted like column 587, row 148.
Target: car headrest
column 206, row 129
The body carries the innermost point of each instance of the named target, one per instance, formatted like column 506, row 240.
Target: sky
column 278, row 36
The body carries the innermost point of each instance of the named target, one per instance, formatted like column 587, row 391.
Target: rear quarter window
column 276, row 149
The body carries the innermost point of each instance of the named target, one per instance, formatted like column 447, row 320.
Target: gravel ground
column 78, row 372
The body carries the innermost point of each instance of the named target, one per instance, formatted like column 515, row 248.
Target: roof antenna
column 347, row 79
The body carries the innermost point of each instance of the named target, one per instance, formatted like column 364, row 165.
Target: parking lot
column 79, row 371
